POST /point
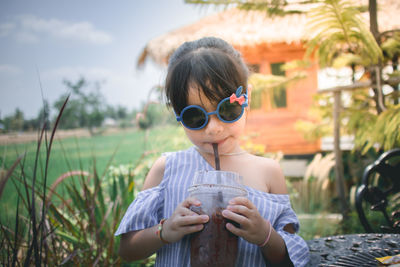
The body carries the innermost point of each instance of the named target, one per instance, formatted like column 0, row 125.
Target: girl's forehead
column 196, row 96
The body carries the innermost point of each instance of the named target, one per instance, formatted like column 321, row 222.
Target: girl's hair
column 209, row 64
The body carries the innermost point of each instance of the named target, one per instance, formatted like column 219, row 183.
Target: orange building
column 274, row 127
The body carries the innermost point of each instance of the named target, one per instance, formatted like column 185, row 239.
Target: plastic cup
column 214, row 245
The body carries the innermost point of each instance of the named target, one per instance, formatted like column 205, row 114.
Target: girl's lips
column 220, row 142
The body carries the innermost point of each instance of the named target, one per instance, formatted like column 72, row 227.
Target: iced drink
column 214, row 245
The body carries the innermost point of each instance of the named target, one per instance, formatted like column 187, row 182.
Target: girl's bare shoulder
column 155, row 174
column 270, row 172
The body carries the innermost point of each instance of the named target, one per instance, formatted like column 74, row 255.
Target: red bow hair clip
column 239, row 99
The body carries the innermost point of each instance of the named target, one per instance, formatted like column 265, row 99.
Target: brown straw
column 218, row 167
column 216, row 156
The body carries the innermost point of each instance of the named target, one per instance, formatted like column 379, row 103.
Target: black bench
column 378, row 196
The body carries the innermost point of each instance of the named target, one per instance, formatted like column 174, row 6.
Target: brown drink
column 214, row 245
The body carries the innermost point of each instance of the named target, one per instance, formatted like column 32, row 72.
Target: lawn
column 80, row 153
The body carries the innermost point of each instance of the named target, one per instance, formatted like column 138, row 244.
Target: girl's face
column 226, row 135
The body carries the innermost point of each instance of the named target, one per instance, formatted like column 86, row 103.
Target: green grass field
column 125, row 147
column 71, row 153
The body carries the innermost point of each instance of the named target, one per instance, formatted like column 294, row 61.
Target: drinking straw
column 216, row 156
column 217, row 167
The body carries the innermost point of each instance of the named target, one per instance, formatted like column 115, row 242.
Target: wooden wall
column 274, row 127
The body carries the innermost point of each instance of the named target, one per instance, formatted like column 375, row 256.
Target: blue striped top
column 153, row 204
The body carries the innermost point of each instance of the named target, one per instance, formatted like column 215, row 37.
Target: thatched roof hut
column 250, row 28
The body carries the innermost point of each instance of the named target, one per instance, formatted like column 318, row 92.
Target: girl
column 205, row 86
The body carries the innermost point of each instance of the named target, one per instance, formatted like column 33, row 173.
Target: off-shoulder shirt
column 153, row 204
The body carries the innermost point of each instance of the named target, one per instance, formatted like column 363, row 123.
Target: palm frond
column 391, row 46
column 337, row 28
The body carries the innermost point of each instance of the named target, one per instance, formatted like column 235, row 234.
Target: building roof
column 248, row 28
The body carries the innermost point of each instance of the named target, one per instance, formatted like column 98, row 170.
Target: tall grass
column 315, row 191
column 65, row 209
column 28, row 242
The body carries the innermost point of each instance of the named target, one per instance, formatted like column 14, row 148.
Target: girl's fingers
column 238, row 218
column 188, row 207
column 186, row 212
column 235, row 230
column 190, row 201
column 242, row 201
column 192, row 229
column 239, row 209
column 192, row 220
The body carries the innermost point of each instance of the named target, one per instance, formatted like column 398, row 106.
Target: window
column 279, row 94
column 256, row 96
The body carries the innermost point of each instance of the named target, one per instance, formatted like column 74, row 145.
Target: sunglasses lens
column 193, row 117
column 230, row 111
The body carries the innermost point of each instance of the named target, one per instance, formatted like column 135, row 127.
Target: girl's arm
column 141, row 244
column 253, row 227
column 275, row 250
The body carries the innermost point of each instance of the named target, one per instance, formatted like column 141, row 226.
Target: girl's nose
column 214, row 125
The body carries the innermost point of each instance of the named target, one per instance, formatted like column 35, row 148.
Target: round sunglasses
column 228, row 110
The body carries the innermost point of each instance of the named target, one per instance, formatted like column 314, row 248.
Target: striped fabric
column 153, row 204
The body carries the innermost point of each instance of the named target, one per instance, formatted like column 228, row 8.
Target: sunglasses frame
column 216, row 112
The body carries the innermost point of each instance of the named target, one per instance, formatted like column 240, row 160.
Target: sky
column 44, row 42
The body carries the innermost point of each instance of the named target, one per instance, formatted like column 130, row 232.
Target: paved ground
column 25, row 137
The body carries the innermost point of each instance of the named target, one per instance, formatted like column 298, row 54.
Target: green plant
column 86, row 216
column 319, row 225
column 313, row 193
column 29, row 240
column 340, row 34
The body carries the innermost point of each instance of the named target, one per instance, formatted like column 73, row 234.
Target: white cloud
column 6, row 28
column 73, row 73
column 6, row 69
column 26, row 37
column 30, row 28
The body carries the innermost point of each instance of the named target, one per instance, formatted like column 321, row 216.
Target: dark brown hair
column 210, row 64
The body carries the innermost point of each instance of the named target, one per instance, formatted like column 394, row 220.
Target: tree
column 371, row 118
column 84, row 109
column 71, row 116
column 43, row 117
column 16, row 121
column 122, row 112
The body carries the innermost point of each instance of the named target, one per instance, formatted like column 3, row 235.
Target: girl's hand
column 183, row 221
column 253, row 227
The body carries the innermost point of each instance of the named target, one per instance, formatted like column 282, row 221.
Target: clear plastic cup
column 214, row 245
